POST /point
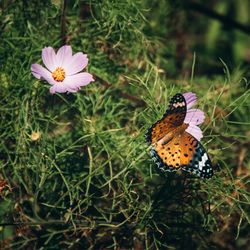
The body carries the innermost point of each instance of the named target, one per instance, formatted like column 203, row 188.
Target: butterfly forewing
column 173, row 117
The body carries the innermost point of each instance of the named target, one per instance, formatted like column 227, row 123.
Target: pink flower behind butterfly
column 63, row 70
column 193, row 117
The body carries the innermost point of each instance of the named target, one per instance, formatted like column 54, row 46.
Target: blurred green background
column 75, row 172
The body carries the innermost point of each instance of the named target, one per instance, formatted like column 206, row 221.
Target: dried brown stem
column 221, row 18
column 63, row 23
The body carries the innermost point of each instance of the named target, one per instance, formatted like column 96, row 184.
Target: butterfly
column 175, row 138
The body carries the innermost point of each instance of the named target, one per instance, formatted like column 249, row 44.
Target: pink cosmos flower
column 63, row 69
column 193, row 117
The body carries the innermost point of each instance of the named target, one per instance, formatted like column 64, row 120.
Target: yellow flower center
column 59, row 74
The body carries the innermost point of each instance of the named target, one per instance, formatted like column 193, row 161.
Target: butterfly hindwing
column 167, row 157
column 184, row 152
column 198, row 161
column 173, row 117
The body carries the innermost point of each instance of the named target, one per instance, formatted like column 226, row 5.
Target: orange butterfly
column 175, row 138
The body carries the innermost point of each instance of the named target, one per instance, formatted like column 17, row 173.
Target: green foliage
column 78, row 170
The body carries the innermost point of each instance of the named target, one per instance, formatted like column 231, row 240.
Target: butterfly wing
column 184, row 152
column 173, row 118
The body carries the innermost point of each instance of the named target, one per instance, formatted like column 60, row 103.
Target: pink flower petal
column 194, row 131
column 63, row 56
column 72, row 83
column 35, row 74
column 58, row 88
column 71, row 64
column 40, row 72
column 78, row 80
column 77, row 63
column 49, row 58
column 194, row 117
column 190, row 99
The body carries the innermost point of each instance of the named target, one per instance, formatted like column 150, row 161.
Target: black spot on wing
column 160, row 164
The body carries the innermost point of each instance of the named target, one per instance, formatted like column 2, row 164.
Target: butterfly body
column 173, row 147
